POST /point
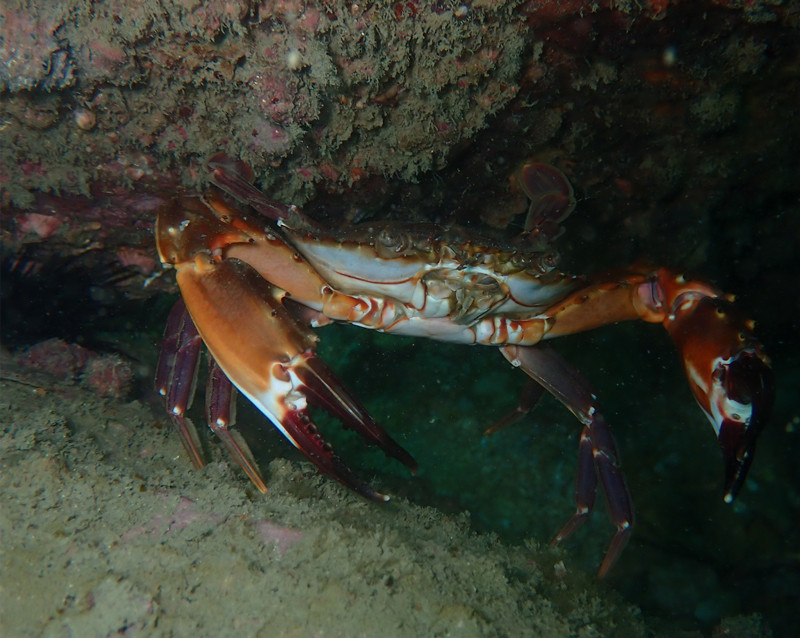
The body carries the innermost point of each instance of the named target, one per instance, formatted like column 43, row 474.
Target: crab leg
column 597, row 451
column 529, row 399
column 235, row 178
column 176, row 381
column 221, row 415
column 176, row 376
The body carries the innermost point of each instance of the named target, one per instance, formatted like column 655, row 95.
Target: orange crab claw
column 263, row 349
column 729, row 375
column 725, row 365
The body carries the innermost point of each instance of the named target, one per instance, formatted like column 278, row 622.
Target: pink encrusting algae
column 109, row 375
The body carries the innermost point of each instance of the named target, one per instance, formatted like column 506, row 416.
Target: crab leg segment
column 528, row 400
column 597, row 452
column 176, row 380
column 235, row 178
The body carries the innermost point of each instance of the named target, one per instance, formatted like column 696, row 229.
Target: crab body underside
column 255, row 276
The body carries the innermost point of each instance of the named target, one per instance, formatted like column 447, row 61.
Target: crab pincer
column 258, row 343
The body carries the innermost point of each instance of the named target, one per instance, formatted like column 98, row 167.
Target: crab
column 256, row 276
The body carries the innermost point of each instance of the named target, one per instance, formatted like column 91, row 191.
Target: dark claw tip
column 748, row 381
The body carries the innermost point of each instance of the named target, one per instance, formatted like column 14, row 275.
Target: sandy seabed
column 105, row 529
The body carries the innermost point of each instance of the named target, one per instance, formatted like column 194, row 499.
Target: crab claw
column 729, row 375
column 313, row 381
column 262, row 348
column 268, row 355
column 746, row 394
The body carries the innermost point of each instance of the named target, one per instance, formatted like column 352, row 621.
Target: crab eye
column 521, row 260
column 386, row 237
column 549, row 260
column 391, row 243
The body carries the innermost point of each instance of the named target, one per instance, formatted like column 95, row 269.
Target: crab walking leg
column 168, row 353
column 597, row 452
column 529, row 399
column 235, row 178
column 176, row 376
column 221, row 416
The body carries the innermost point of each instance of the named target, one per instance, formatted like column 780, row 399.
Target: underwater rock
column 128, row 539
column 331, row 93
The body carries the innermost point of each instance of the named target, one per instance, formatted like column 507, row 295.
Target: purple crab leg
column 221, row 415
column 176, row 375
column 597, row 452
column 552, row 198
column 529, row 398
column 235, row 177
column 169, row 347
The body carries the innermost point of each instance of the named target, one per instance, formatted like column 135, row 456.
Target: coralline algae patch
column 108, row 375
column 31, row 54
column 330, row 92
